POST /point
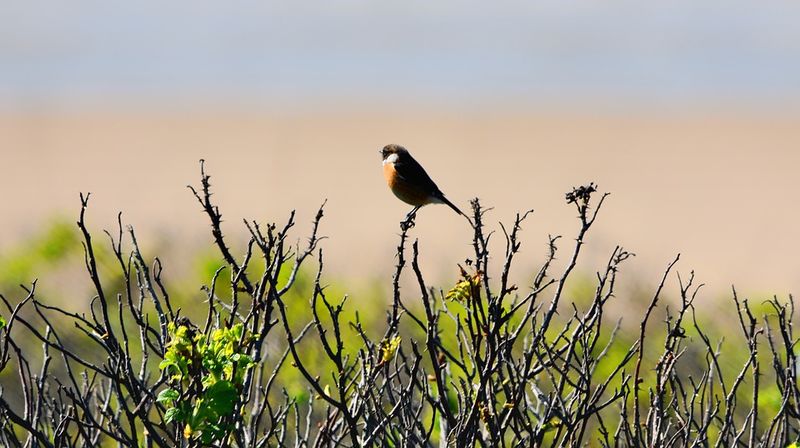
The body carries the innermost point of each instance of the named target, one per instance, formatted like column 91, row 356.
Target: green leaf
column 165, row 363
column 168, row 396
column 552, row 424
column 212, row 432
column 460, row 291
column 173, row 415
column 221, row 397
column 464, row 289
column 2, row 322
column 389, row 348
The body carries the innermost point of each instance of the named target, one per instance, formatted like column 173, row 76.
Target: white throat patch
column 391, row 159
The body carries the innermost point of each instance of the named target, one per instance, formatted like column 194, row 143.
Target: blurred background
column 687, row 112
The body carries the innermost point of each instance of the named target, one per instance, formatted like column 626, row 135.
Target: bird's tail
column 451, row 205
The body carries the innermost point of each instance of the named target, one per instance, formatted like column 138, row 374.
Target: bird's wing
column 412, row 172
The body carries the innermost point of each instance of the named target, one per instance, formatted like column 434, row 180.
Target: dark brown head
column 392, row 149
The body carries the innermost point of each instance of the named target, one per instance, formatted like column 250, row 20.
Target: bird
column 409, row 181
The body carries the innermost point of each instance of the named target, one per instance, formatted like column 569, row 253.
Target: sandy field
column 716, row 186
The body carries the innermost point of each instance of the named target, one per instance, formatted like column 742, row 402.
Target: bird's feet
column 409, row 221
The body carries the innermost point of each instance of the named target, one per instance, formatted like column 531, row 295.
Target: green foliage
column 464, row 363
column 207, row 376
column 58, row 240
column 389, row 348
column 466, row 288
column 43, row 250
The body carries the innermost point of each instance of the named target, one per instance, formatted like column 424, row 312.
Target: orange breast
column 403, row 190
column 389, row 174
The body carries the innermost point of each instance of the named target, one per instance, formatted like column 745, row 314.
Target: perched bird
column 409, row 181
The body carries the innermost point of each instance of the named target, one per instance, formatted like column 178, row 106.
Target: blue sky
column 682, row 52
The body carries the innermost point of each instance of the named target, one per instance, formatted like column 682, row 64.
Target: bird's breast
column 406, row 192
column 389, row 173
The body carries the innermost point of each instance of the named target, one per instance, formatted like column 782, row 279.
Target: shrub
column 483, row 363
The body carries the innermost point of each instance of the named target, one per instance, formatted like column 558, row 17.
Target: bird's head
column 390, row 153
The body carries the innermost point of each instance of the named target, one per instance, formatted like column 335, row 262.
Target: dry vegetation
column 273, row 358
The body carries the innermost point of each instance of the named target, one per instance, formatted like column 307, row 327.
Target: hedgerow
column 273, row 358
